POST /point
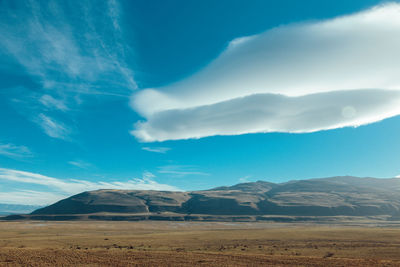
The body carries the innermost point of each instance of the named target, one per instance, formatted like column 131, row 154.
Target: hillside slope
column 347, row 196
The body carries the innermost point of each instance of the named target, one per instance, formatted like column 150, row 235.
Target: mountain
column 336, row 196
column 6, row 209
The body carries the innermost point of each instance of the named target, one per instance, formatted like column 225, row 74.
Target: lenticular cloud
column 297, row 78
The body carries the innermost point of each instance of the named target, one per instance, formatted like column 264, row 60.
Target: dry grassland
column 150, row 243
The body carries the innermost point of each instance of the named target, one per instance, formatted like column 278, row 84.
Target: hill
column 336, row 196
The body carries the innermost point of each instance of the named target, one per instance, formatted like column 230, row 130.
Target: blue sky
column 188, row 95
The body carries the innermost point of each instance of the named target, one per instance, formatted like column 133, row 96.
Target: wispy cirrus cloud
column 52, row 103
column 78, row 51
column 71, row 51
column 80, row 164
column 297, row 78
column 52, row 127
column 55, row 189
column 181, row 170
column 161, row 150
column 15, row 151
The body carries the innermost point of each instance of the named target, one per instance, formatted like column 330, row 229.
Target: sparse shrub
column 328, row 254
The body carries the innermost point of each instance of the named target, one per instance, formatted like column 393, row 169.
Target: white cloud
column 65, row 52
column 161, row 150
column 180, row 170
column 52, row 127
column 80, row 164
column 271, row 113
column 398, row 176
column 70, row 51
column 15, row 151
column 57, row 189
column 29, row 197
column 52, row 103
column 245, row 179
column 297, row 78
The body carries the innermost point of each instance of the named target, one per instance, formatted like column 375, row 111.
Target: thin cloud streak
column 15, row 151
column 181, row 170
column 52, row 127
column 332, row 71
column 161, row 150
column 60, row 188
column 30, row 197
column 50, row 102
column 80, row 164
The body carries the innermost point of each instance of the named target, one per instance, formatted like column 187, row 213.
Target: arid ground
column 152, row 243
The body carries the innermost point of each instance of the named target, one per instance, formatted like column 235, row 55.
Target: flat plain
column 166, row 243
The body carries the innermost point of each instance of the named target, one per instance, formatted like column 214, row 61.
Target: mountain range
column 335, row 196
column 6, row 209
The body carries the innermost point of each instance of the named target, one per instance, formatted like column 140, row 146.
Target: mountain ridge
column 334, row 196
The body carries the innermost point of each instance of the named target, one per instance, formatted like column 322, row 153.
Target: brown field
column 151, row 243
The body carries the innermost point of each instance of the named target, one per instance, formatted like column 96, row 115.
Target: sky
column 190, row 95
